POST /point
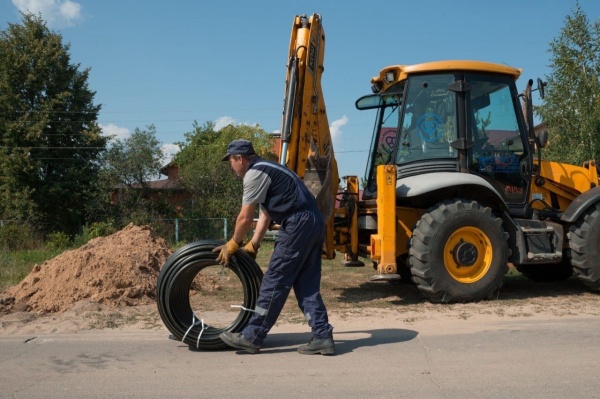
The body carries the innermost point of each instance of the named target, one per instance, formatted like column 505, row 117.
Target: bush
column 58, row 240
column 98, row 229
column 15, row 237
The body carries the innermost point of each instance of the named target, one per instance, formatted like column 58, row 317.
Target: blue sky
column 170, row 63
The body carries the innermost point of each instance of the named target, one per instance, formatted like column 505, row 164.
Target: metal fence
column 189, row 230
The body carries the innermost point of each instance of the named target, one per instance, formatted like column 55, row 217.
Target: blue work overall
column 296, row 259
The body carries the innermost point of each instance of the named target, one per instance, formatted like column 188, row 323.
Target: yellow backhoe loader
column 456, row 187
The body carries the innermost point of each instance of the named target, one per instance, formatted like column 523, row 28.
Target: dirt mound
column 118, row 270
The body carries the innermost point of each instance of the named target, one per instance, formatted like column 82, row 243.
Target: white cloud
column 58, row 13
column 115, row 132
column 224, row 121
column 70, row 11
column 169, row 151
column 335, row 129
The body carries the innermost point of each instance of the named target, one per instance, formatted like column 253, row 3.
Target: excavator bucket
column 318, row 179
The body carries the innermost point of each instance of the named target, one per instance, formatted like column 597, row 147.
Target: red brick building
column 170, row 189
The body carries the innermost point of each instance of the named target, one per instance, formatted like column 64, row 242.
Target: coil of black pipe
column 173, row 292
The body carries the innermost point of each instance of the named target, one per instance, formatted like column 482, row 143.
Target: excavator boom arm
column 306, row 146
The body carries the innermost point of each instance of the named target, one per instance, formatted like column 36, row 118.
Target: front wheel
column 458, row 252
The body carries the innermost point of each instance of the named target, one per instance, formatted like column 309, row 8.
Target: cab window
column 429, row 124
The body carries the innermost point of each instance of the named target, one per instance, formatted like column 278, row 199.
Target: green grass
column 346, row 289
column 349, row 288
column 15, row 265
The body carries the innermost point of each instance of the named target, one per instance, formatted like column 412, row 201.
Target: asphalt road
column 520, row 358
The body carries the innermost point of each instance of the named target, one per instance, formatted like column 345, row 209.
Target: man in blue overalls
column 296, row 261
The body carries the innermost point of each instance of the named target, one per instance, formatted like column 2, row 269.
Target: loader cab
column 436, row 119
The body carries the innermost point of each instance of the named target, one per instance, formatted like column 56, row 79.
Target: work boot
column 318, row 346
column 237, row 340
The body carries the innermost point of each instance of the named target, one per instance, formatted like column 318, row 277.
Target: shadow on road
column 514, row 288
column 348, row 341
column 345, row 341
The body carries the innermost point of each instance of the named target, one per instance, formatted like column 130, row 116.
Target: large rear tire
column 458, row 252
column 584, row 243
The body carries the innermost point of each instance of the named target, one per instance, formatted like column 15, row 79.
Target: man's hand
column 251, row 249
column 225, row 251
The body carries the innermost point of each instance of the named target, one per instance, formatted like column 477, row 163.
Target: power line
column 54, row 111
column 94, row 159
column 55, row 148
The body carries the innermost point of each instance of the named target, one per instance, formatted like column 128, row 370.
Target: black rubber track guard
column 173, row 292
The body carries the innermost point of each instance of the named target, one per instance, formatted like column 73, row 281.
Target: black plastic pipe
column 173, row 292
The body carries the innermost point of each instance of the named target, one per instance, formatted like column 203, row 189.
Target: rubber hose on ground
column 173, row 293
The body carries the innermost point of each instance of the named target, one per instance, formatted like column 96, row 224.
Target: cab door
column 499, row 153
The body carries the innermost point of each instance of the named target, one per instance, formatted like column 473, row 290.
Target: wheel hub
column 465, row 254
column 468, row 254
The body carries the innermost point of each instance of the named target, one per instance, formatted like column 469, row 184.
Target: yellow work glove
column 251, row 249
column 225, row 251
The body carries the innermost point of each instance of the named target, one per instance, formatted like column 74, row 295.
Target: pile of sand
column 118, row 270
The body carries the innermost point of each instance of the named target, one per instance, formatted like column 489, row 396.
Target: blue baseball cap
column 239, row 147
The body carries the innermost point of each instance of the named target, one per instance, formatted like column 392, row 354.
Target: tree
column 136, row 159
column 50, row 141
column 216, row 190
column 130, row 165
column 572, row 104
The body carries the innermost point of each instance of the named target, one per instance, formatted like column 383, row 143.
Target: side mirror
column 541, row 86
column 369, row 101
column 542, row 138
column 372, row 101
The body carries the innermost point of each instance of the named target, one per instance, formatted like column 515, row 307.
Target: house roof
column 165, row 184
